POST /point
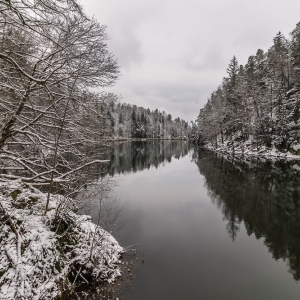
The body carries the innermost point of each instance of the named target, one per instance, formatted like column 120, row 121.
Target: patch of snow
column 249, row 148
column 48, row 257
column 296, row 147
column 296, row 167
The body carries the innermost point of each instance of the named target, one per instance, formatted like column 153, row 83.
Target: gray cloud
column 213, row 59
column 174, row 93
column 173, row 54
column 126, row 48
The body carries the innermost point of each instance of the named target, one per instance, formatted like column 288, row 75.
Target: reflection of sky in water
column 188, row 253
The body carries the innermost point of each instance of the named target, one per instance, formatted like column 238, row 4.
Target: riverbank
column 251, row 148
column 44, row 256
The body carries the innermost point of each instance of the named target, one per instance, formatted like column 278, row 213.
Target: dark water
column 208, row 227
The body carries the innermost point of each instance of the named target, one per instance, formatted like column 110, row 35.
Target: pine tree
column 232, row 71
column 295, row 54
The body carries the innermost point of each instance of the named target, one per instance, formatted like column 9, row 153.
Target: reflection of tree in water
column 139, row 155
column 263, row 194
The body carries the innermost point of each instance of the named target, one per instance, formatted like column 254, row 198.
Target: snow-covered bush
column 41, row 255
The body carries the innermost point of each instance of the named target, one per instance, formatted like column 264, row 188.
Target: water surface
column 208, row 227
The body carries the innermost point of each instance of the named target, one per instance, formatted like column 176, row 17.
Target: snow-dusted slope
column 38, row 263
column 250, row 148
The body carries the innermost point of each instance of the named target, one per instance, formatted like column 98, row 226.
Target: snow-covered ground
column 249, row 148
column 38, row 263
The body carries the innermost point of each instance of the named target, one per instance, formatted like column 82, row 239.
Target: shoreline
column 263, row 152
column 147, row 139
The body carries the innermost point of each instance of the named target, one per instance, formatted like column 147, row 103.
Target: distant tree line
column 258, row 103
column 130, row 121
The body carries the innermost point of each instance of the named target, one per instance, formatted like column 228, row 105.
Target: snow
column 296, row 167
column 37, row 267
column 296, row 147
column 249, row 148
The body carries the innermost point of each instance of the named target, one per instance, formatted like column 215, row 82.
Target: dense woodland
column 259, row 103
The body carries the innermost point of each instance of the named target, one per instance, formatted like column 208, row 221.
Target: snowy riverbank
column 249, row 148
column 37, row 261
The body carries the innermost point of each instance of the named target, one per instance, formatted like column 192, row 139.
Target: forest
column 257, row 105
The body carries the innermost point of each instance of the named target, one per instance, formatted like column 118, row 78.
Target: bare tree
column 52, row 130
column 51, row 55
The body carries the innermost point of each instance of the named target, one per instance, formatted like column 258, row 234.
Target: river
column 207, row 226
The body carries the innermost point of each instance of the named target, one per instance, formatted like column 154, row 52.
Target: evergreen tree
column 295, row 55
column 258, row 100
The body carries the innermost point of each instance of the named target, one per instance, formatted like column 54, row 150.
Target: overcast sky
column 174, row 53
